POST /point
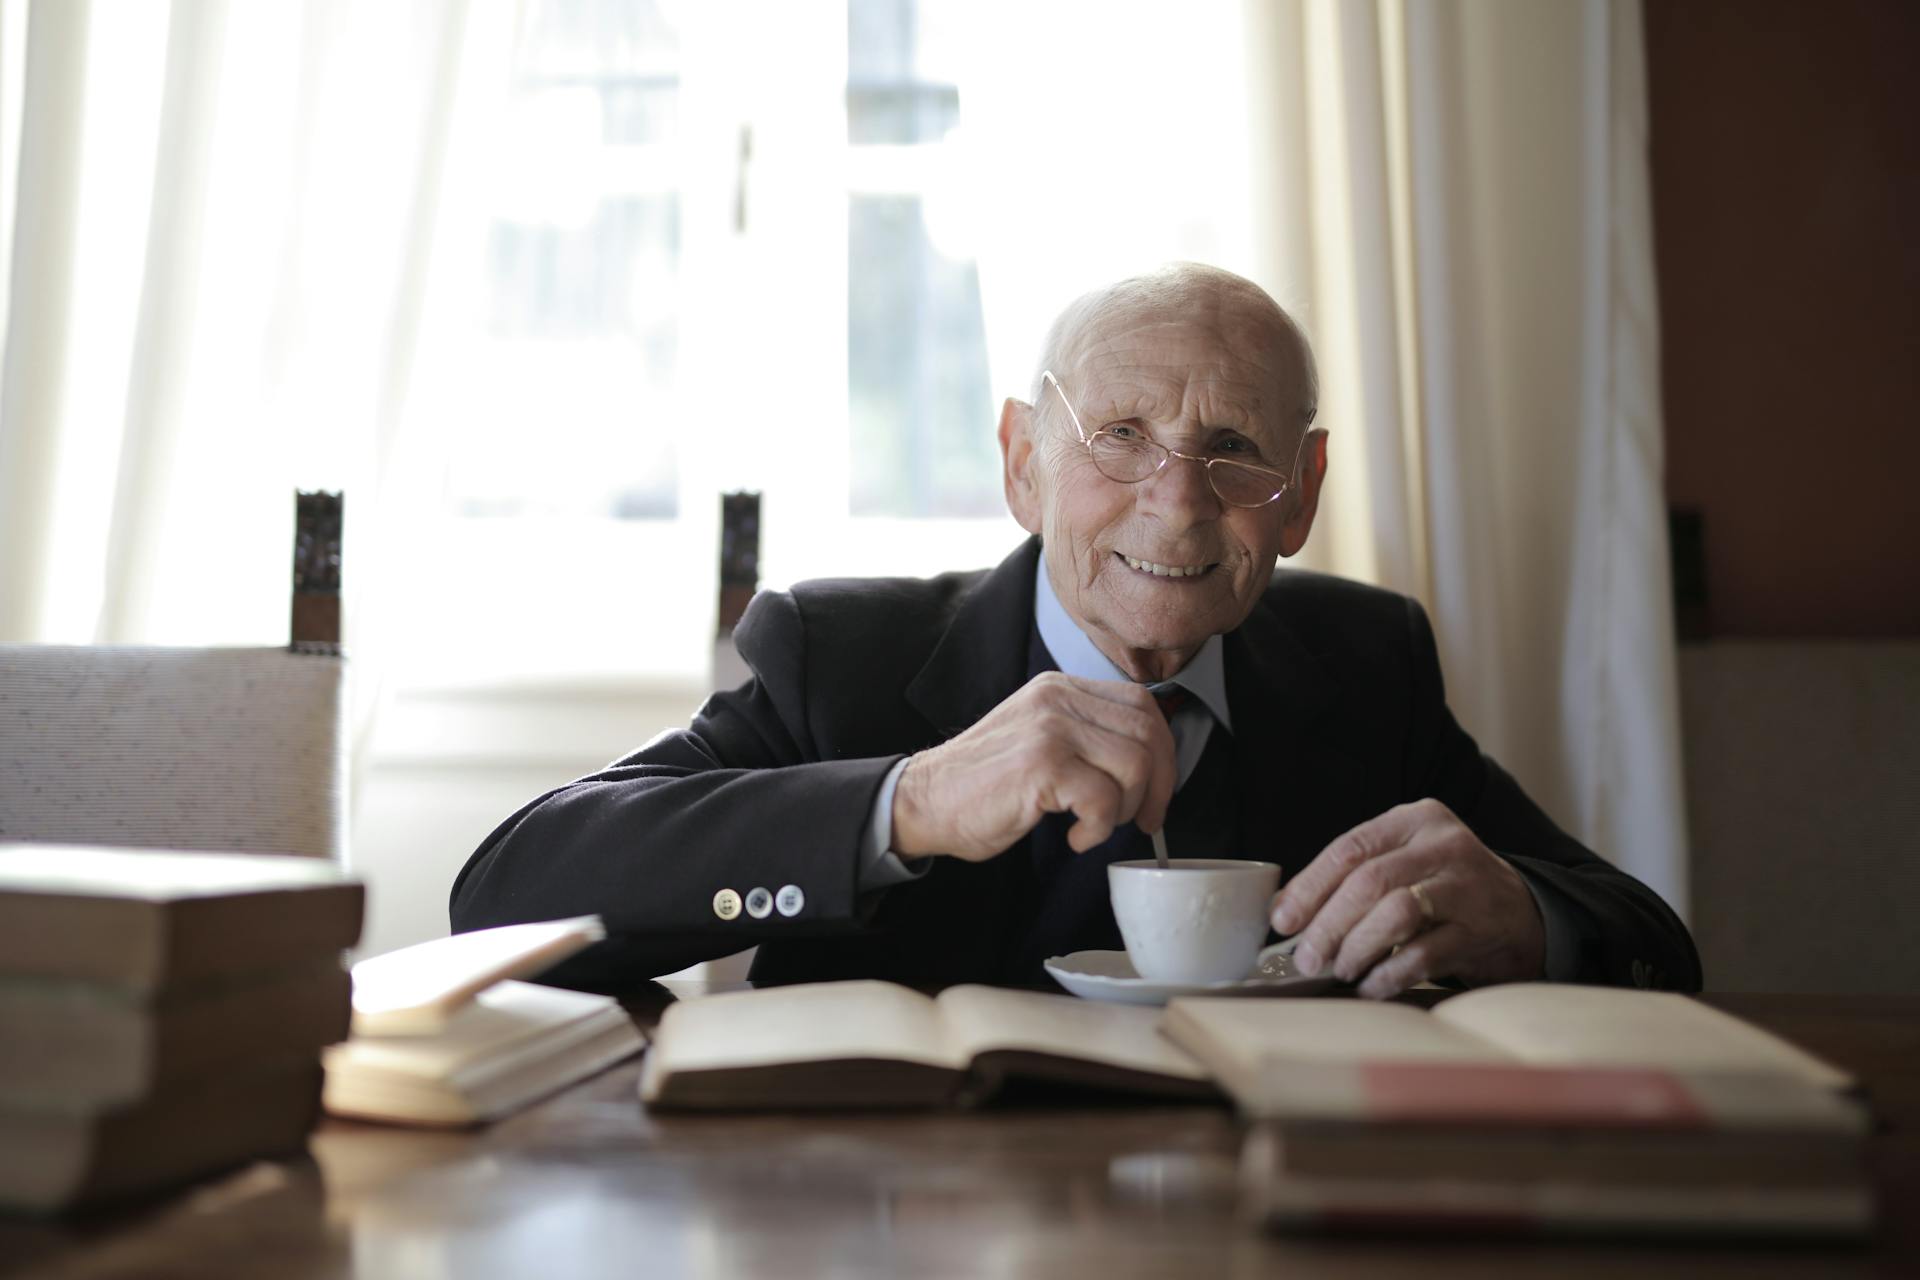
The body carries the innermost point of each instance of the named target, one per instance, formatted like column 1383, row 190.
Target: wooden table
column 588, row 1184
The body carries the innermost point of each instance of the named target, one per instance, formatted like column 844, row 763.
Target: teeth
column 1166, row 570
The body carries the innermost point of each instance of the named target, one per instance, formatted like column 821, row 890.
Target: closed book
column 53, row 1160
column 144, row 919
column 511, row 1044
column 79, row 1046
column 876, row 1045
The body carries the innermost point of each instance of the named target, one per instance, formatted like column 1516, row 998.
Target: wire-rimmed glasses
column 1129, row 459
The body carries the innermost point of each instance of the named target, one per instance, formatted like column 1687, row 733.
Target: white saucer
column 1109, row 975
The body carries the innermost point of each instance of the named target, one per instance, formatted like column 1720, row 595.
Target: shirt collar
column 1204, row 676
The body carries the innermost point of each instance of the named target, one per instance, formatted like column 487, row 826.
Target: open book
column 417, row 990
column 1524, row 1053
column 511, row 1044
column 1533, row 1107
column 443, row 1036
column 877, row 1045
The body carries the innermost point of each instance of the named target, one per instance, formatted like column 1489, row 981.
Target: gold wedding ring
column 1419, row 891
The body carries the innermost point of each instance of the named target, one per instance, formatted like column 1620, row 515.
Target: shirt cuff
column 880, row 867
column 1563, row 951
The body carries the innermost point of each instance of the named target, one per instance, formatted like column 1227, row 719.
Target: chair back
column 183, row 748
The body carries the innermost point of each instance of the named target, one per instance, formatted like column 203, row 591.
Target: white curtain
column 220, row 232
column 1453, row 198
column 218, row 220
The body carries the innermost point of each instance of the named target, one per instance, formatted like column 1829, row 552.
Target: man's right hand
column 1099, row 749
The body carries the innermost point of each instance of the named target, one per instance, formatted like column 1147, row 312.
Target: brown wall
column 1786, row 194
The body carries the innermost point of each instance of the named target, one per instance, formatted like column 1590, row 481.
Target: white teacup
column 1194, row 920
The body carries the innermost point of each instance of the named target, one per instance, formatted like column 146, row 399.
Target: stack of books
column 444, row 1035
column 162, row 1014
column 1533, row 1109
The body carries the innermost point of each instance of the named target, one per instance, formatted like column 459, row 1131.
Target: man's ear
column 1017, row 463
column 1304, row 501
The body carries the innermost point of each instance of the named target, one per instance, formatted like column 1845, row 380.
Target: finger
column 1091, row 795
column 1394, row 919
column 1130, row 713
column 1431, row 954
column 1129, row 762
column 1366, row 885
column 1302, row 897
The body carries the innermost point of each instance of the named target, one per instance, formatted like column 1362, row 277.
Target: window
column 708, row 246
column 580, row 344
column 916, row 342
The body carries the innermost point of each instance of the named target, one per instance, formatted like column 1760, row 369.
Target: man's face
column 1218, row 381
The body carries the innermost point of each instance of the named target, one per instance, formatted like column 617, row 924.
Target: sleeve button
column 790, row 900
column 726, row 904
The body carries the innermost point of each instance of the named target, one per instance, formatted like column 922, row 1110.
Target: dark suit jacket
column 1338, row 715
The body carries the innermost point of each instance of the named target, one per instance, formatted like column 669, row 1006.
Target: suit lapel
column 1277, row 688
column 983, row 655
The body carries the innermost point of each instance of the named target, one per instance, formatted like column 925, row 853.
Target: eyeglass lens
column 1129, row 461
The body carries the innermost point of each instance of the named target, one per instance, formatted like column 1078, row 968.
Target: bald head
column 1202, row 366
column 1189, row 291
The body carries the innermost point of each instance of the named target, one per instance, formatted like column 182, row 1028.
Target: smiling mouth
column 1169, row 571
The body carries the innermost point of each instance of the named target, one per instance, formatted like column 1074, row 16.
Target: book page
column 416, row 989
column 1563, row 1025
column 1244, row 1033
column 982, row 1019
column 814, row 1022
column 1309, row 1057
column 501, row 1020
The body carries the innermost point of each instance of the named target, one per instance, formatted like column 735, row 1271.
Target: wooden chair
column 235, row 749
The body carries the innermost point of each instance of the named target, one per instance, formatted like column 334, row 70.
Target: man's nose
column 1182, row 486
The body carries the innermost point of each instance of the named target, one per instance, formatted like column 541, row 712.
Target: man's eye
column 1123, row 432
column 1239, row 446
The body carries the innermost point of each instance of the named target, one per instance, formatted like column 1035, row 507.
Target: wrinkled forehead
column 1208, row 364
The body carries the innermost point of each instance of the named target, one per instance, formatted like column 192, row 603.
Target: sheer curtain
column 1453, row 198
column 219, row 217
column 1479, row 249
column 219, row 235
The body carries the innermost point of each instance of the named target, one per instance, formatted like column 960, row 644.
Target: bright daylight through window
column 708, row 254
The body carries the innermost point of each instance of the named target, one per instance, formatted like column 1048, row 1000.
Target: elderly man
column 926, row 779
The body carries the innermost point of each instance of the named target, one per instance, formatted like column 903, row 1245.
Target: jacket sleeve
column 1606, row 926
column 739, row 800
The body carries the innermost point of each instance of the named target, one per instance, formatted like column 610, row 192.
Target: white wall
column 448, row 766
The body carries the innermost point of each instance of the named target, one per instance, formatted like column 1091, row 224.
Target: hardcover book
column 77, row 1046
column 860, row 1045
column 143, row 919
column 1533, row 1108
column 443, row 1035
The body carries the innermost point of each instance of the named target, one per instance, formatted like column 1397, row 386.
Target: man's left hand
column 1362, row 896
